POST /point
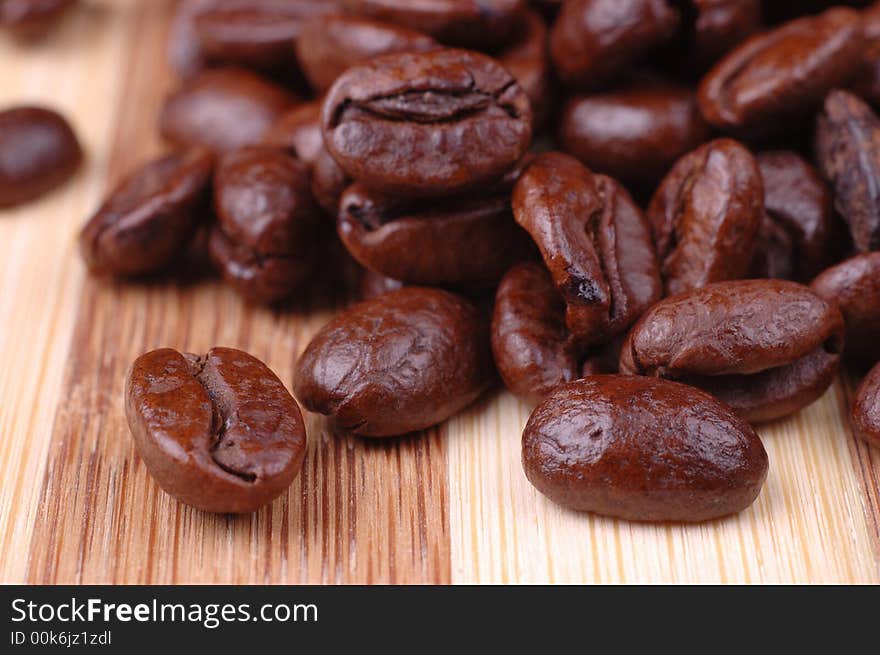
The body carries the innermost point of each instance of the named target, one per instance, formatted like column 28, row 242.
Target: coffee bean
column 800, row 235
column 642, row 449
column 150, row 217
column 854, row 285
column 329, row 182
column 634, row 132
column 592, row 41
column 299, row 132
column 848, row 152
column 374, row 284
column 218, row 432
column 867, row 81
column 38, row 152
column 533, row 349
column 466, row 242
column 266, row 237
column 398, row 363
column 528, row 59
column 255, row 34
column 330, row 45
column 719, row 25
column 766, row 347
column 466, row 23
column 595, row 242
column 427, row 124
column 32, row 18
column 706, row 215
column 772, row 79
column 223, row 109
column 866, row 409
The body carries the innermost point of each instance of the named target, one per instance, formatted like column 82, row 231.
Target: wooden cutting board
column 451, row 505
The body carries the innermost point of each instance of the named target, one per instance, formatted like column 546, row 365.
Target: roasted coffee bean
column 642, row 449
column 150, row 217
column 595, row 242
column 398, row 363
column 38, row 152
column 466, row 242
column 218, row 432
column 766, row 347
column 330, row 45
column 706, row 215
column 267, row 215
column 251, row 33
column 867, row 81
column 427, row 124
column 528, row 60
column 719, row 25
column 533, row 349
column 329, row 182
column 592, row 41
column 374, row 284
column 32, row 18
column 299, row 132
column 467, row 23
column 223, row 109
column 775, row 78
column 866, row 410
column 635, row 132
column 800, row 235
column 855, row 286
column 848, row 152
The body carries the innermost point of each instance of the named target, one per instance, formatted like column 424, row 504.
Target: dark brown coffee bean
column 219, row 432
column 734, row 330
column 150, row 217
column 854, row 285
column 398, row 363
column 592, row 41
column 258, row 278
column 299, row 132
column 427, row 124
column 32, row 18
column 468, row 241
column 776, row 392
column 374, row 284
column 800, row 235
column 38, row 152
column 635, row 132
column 533, row 349
column 251, row 33
column 867, row 81
column 528, row 60
column 642, row 450
column 329, row 182
column 267, row 215
column 780, row 76
column 848, row 152
column 706, row 215
column 866, row 409
column 467, row 23
column 330, row 45
column 223, row 109
column 595, row 242
column 719, row 25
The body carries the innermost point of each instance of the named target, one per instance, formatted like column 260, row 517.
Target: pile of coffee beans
column 657, row 220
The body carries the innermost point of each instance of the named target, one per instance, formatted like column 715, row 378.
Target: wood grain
column 450, row 505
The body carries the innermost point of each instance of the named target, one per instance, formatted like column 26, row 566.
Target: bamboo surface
column 450, row 505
